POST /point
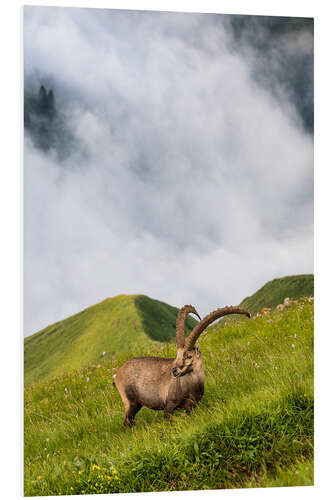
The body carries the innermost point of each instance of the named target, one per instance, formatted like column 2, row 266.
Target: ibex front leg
column 169, row 409
column 188, row 405
column 174, row 397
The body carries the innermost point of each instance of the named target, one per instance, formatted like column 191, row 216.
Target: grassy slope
column 275, row 291
column 122, row 324
column 159, row 319
column 253, row 427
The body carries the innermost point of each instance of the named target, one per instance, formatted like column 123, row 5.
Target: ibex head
column 186, row 361
column 188, row 356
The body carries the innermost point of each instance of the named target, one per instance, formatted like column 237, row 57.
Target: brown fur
column 163, row 383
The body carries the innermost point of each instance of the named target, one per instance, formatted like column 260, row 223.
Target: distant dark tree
column 46, row 102
column 39, row 115
column 46, row 124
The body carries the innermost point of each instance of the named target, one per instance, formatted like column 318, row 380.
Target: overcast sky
column 180, row 163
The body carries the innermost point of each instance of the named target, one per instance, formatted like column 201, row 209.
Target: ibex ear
column 197, row 350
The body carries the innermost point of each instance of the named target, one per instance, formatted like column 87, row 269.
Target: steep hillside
column 127, row 325
column 118, row 325
column 252, row 428
column 275, row 291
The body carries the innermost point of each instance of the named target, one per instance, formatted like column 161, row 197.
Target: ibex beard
column 168, row 384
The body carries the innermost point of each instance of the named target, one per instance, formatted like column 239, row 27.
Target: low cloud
column 186, row 178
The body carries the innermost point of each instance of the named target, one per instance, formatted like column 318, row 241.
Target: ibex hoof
column 128, row 423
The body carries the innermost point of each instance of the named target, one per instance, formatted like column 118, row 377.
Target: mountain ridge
column 275, row 291
column 124, row 324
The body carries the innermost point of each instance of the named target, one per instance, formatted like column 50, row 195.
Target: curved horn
column 207, row 320
column 180, row 323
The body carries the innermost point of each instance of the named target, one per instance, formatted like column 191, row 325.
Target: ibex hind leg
column 131, row 407
column 130, row 413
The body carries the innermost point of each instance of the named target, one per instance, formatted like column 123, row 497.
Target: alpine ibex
column 167, row 384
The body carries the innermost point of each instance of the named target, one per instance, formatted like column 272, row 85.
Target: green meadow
column 275, row 291
column 125, row 324
column 252, row 428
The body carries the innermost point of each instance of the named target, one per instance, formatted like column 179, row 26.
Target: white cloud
column 192, row 183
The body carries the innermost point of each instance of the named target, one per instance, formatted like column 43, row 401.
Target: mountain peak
column 122, row 325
